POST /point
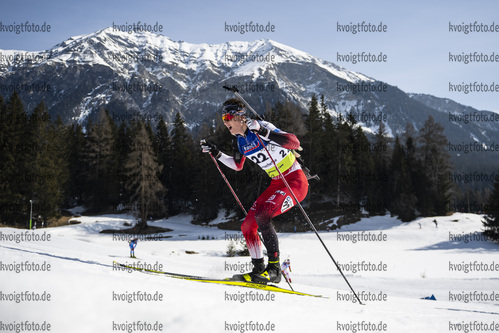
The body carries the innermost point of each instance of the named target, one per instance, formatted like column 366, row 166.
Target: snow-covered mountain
column 149, row 75
column 153, row 75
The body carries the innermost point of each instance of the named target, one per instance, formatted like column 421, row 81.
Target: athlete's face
column 235, row 125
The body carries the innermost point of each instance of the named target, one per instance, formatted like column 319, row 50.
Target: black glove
column 209, row 147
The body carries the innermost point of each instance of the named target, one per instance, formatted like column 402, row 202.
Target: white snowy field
column 63, row 279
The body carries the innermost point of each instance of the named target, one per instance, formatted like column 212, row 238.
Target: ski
column 228, row 281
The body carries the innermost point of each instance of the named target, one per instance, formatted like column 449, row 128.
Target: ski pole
column 228, row 184
column 307, row 218
column 230, row 187
column 285, row 278
column 235, row 91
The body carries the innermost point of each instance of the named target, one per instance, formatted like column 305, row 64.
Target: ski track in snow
column 419, row 259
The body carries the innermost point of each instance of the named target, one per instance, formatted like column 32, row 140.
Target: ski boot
column 258, row 268
column 262, row 274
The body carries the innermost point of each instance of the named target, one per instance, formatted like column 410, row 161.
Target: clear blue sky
column 416, row 43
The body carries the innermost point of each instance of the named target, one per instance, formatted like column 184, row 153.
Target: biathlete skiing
column 133, row 244
column 286, row 269
column 276, row 199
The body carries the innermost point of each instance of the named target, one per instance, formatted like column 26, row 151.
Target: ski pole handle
column 233, row 88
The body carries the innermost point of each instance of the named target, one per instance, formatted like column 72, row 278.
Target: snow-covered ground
column 391, row 265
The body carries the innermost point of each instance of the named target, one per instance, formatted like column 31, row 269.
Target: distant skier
column 133, row 244
column 276, row 199
column 286, row 269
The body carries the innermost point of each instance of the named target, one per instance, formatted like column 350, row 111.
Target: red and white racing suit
column 276, row 199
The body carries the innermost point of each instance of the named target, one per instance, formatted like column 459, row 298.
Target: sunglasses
column 227, row 117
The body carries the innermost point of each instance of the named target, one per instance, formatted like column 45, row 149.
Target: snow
column 195, row 57
column 415, row 260
column 184, row 63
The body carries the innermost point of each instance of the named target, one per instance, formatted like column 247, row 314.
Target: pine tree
column 180, row 190
column 325, row 166
column 436, row 166
column 364, row 173
column 60, row 159
column 402, row 200
column 491, row 220
column 206, row 182
column 75, row 186
column 99, row 159
column 314, row 127
column 311, row 143
column 4, row 156
column 379, row 196
column 343, row 166
column 418, row 178
column 14, row 155
column 164, row 151
column 48, row 163
column 288, row 117
column 142, row 171
column 121, row 149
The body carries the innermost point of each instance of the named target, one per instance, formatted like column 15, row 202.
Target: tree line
column 157, row 170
